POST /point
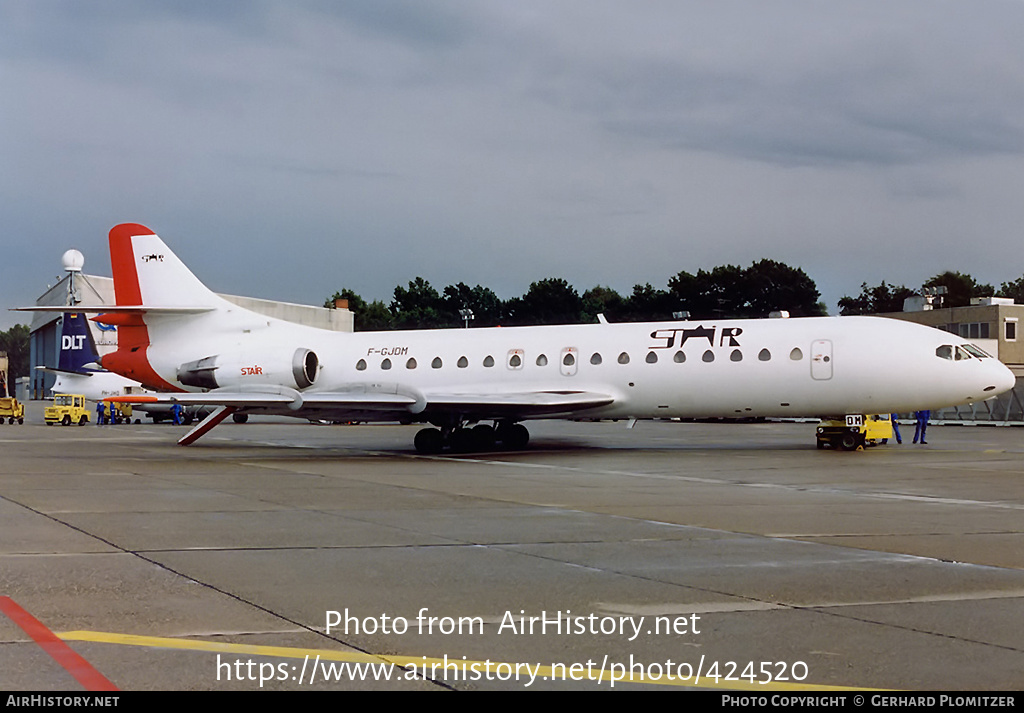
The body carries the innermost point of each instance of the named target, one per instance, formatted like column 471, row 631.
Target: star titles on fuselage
column 670, row 335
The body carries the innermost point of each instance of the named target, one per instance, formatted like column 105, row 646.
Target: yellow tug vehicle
column 66, row 410
column 854, row 432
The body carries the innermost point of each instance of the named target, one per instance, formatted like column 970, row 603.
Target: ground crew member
column 922, row 424
column 101, row 410
column 895, row 427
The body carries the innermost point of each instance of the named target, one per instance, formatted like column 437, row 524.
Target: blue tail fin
column 77, row 346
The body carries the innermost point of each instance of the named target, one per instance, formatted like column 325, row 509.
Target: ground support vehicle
column 67, row 409
column 854, row 432
column 11, row 410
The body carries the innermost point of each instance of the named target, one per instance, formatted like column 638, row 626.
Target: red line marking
column 60, row 652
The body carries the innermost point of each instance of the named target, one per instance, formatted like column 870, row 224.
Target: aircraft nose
column 1000, row 379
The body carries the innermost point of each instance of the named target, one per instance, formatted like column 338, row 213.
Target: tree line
column 727, row 291
column 960, row 289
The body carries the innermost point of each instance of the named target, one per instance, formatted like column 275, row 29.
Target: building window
column 973, row 330
column 1010, row 329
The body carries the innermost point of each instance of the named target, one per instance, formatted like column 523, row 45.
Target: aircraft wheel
column 239, row 417
column 484, row 437
column 849, row 441
column 461, row 440
column 66, row 421
column 515, row 437
column 186, row 418
column 429, row 441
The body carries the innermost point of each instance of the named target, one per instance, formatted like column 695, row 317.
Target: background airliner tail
column 77, row 347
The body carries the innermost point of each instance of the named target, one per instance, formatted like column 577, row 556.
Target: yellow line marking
column 435, row 666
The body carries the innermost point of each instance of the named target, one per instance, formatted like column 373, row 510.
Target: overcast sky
column 288, row 149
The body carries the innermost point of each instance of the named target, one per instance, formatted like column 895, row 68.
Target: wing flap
column 525, row 403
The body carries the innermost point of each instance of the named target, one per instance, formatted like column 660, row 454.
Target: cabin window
column 623, row 358
column 386, row 364
column 764, row 355
column 515, row 361
column 595, row 359
column 542, row 360
column 796, row 354
column 436, row 364
column 361, row 365
column 709, row 356
column 679, row 357
column 736, row 355
column 488, row 361
column 568, row 359
column 411, row 364
column 652, row 358
column 462, row 363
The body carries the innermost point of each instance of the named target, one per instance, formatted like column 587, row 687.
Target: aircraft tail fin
column 148, row 273
column 77, row 346
column 150, row 284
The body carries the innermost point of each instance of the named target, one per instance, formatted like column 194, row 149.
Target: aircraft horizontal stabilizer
column 119, row 309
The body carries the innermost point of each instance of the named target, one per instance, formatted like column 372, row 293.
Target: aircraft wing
column 320, row 404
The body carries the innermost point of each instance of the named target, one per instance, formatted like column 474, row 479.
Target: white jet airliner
column 476, row 386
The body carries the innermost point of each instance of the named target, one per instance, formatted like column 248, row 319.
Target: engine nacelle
column 297, row 370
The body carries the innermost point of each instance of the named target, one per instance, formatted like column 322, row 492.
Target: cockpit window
column 960, row 352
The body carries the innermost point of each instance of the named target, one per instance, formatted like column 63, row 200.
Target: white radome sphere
column 73, row 261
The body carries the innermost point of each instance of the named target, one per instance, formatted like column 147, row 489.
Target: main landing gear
column 463, row 439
